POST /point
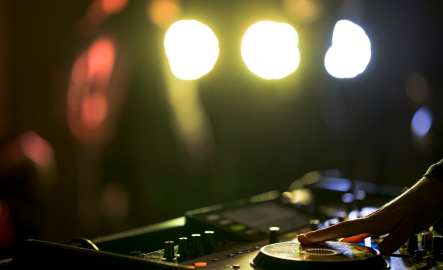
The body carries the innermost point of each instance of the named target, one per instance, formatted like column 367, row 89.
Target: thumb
column 395, row 239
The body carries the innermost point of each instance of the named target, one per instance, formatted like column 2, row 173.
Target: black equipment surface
column 238, row 235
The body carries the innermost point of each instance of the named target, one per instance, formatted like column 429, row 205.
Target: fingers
column 342, row 229
column 355, row 239
column 395, row 239
column 303, row 240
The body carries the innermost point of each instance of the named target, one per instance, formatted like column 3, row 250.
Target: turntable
column 325, row 255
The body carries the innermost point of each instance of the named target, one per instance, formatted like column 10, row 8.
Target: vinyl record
column 325, row 255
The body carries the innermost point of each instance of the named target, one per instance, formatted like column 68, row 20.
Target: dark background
column 262, row 134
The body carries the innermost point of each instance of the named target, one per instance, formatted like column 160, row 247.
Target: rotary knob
column 196, row 242
column 437, row 245
column 313, row 224
column 209, row 240
column 412, row 244
column 426, row 240
column 274, row 236
column 169, row 250
column 183, row 246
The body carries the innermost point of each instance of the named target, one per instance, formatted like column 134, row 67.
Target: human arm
column 409, row 214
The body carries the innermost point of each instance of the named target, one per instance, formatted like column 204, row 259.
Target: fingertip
column 303, row 239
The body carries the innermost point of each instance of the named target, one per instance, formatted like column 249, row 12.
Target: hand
column 412, row 212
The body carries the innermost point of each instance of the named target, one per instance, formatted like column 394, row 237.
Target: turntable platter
column 325, row 255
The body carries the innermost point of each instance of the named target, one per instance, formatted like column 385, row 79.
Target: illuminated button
column 236, row 266
column 238, row 227
column 225, row 222
column 257, row 247
column 214, row 260
column 190, row 267
column 201, row 264
column 230, row 255
column 239, row 252
column 213, row 217
column 250, row 232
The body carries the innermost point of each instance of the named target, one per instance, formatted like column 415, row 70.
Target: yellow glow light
column 350, row 52
column 192, row 49
column 269, row 49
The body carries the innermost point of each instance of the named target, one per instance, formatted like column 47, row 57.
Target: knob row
column 434, row 243
column 183, row 245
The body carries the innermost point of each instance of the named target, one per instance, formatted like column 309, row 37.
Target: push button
column 201, row 264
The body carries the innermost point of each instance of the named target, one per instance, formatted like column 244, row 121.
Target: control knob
column 209, row 240
column 196, row 243
column 426, row 240
column 412, row 244
column 313, row 224
column 437, row 245
column 183, row 246
column 169, row 251
column 274, row 236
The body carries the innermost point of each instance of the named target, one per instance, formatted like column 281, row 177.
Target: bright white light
column 192, row 49
column 269, row 49
column 350, row 52
column 421, row 122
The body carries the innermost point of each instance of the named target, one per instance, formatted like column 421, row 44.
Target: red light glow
column 37, row 149
column 101, row 60
column 87, row 93
column 95, row 108
column 113, row 6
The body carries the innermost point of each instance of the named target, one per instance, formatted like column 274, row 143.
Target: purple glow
column 421, row 122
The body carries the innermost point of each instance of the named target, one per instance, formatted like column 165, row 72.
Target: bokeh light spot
column 347, row 197
column 95, row 109
column 269, row 49
column 350, row 52
column 113, row 6
column 191, row 48
column 164, row 12
column 37, row 149
column 421, row 122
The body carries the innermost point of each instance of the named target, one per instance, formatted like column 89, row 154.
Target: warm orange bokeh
column 164, row 12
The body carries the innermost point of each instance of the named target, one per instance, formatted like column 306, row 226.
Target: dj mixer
column 258, row 232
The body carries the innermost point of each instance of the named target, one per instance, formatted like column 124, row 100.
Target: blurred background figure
column 115, row 114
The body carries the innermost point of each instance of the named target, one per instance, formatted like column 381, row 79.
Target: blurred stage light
column 350, row 52
column 421, row 122
column 269, row 49
column 191, row 48
column 37, row 149
column 164, row 12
